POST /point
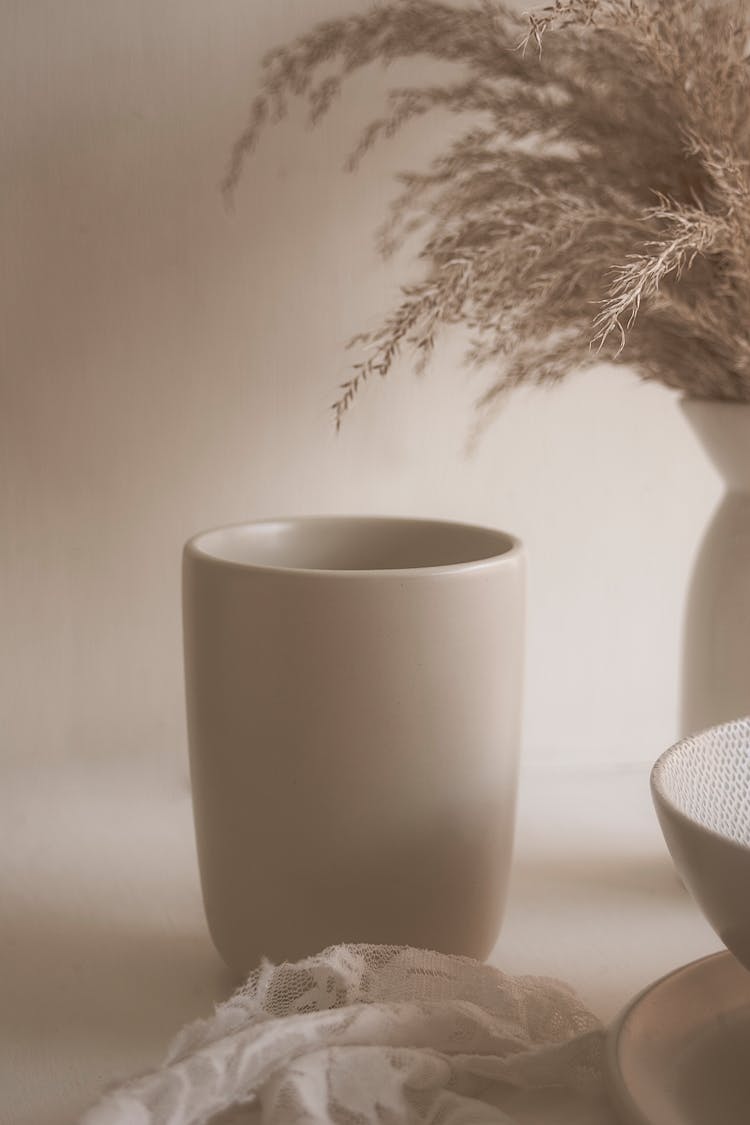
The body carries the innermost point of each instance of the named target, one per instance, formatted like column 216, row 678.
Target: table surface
column 104, row 952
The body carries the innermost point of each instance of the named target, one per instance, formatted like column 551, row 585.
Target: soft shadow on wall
column 160, row 356
column 167, row 365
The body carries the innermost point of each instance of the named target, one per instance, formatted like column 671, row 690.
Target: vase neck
column 724, row 430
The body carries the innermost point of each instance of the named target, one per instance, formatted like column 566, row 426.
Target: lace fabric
column 383, row 1035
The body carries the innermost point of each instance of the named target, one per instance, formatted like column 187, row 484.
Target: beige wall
column 166, row 365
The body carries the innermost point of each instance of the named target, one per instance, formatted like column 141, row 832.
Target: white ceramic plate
column 680, row 1052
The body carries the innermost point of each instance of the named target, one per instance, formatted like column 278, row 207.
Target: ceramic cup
column 353, row 699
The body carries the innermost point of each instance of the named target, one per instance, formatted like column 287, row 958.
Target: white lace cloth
column 383, row 1035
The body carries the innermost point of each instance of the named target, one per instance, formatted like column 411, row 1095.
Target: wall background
column 166, row 365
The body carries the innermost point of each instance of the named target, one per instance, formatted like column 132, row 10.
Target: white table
column 104, row 952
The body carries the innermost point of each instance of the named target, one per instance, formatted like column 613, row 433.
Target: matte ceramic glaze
column 701, row 799
column 678, row 1055
column 353, row 697
column 716, row 660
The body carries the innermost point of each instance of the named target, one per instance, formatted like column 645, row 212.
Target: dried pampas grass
column 597, row 207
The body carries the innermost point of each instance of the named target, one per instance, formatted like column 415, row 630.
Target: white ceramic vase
column 716, row 656
column 353, row 700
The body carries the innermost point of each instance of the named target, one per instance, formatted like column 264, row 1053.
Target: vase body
column 716, row 656
column 353, row 699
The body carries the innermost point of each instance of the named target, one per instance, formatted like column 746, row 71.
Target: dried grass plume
column 597, row 205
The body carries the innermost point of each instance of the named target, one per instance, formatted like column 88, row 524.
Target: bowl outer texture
column 715, row 869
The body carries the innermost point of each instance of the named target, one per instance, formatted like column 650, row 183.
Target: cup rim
column 195, row 548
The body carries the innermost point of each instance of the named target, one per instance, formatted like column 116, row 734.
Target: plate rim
column 623, row 1099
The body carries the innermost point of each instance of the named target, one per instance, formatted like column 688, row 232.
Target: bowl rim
column 661, row 797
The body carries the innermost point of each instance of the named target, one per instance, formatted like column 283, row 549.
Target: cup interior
column 706, row 778
column 357, row 543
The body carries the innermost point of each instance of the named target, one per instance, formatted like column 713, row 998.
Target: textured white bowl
column 701, row 790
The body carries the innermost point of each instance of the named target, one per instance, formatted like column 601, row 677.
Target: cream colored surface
column 353, row 699
column 104, row 948
column 166, row 365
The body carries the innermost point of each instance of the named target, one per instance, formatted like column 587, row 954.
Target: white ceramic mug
column 353, row 700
